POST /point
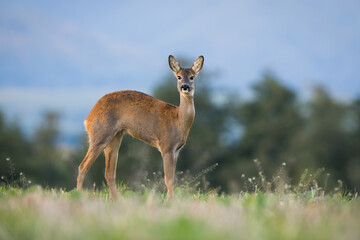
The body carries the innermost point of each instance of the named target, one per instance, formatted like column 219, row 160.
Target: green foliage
column 13, row 144
column 328, row 138
column 39, row 158
column 271, row 121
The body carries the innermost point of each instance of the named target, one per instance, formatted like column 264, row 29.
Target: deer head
column 186, row 76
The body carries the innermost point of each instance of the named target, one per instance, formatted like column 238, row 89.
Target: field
column 38, row 213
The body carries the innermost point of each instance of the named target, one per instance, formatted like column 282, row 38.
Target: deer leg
column 94, row 151
column 111, row 157
column 169, row 160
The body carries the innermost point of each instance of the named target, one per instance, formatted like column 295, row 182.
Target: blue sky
column 65, row 55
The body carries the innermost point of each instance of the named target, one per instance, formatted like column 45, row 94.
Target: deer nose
column 185, row 88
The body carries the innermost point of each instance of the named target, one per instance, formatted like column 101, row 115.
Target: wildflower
column 253, row 178
column 2, row 177
column 21, row 173
column 249, row 179
column 242, row 175
column 284, row 164
column 29, row 182
column 255, row 160
column 7, row 159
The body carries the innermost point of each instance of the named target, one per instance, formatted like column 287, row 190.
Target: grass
column 265, row 208
column 36, row 213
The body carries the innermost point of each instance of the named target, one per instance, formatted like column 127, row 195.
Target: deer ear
column 174, row 64
column 197, row 65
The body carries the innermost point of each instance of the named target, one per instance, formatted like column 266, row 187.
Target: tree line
column 273, row 126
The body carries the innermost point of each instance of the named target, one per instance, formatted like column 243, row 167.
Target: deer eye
column 192, row 78
column 179, row 77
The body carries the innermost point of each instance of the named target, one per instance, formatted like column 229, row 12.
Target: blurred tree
column 329, row 142
column 353, row 166
column 47, row 165
column 47, row 132
column 13, row 145
column 271, row 120
column 272, row 126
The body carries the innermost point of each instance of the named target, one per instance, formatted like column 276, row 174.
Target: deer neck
column 186, row 111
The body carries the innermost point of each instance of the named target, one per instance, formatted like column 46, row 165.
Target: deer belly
column 144, row 134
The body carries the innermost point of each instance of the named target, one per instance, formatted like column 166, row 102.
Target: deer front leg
column 169, row 160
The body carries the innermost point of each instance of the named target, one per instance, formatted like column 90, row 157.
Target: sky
column 65, row 55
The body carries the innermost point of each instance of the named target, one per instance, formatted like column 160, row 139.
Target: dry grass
column 54, row 214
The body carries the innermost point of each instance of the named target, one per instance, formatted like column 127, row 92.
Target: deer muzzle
column 185, row 88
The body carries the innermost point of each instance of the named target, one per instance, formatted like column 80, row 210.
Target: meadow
column 274, row 210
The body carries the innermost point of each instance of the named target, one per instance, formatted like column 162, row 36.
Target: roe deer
column 153, row 121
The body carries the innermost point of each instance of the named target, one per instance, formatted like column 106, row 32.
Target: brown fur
column 153, row 121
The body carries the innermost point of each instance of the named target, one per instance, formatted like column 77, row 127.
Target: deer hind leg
column 97, row 144
column 169, row 160
column 111, row 158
